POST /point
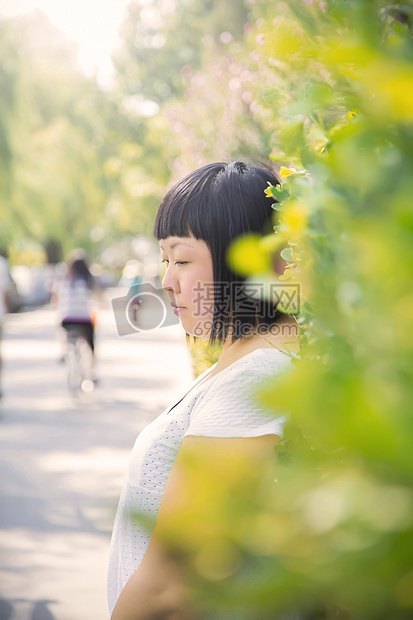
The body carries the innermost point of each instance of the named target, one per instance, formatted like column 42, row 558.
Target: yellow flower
column 286, row 172
column 294, row 219
column 352, row 113
column 247, row 256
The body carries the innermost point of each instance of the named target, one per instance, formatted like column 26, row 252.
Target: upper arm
column 191, row 512
column 209, row 472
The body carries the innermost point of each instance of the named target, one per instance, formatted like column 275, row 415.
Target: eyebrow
column 177, row 243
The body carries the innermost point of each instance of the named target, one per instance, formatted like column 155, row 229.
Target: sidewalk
column 62, row 465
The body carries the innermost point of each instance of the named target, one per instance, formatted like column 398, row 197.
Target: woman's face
column 189, row 281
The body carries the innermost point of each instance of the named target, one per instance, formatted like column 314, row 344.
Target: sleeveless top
column 223, row 406
column 74, row 300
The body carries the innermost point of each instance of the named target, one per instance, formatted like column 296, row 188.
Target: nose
column 169, row 282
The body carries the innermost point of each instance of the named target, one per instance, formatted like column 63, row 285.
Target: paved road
column 62, row 464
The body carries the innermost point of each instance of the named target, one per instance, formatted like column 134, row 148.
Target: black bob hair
column 218, row 203
column 78, row 267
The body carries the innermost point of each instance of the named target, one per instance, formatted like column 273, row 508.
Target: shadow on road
column 32, row 610
column 62, row 463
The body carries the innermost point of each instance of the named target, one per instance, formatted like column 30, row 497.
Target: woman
column 74, row 294
column 195, row 225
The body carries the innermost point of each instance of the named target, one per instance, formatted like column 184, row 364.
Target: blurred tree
column 8, row 72
column 53, row 251
column 162, row 37
column 56, row 188
column 72, row 165
column 215, row 120
column 166, row 97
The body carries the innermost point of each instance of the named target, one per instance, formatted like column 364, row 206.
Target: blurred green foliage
column 203, row 354
column 164, row 40
column 76, row 165
column 332, row 536
column 51, row 184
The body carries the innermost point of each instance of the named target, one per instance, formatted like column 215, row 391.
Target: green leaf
column 287, row 255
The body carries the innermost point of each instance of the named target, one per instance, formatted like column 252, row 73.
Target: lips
column 177, row 309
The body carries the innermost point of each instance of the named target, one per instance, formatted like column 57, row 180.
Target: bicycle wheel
column 74, row 375
column 84, row 355
column 79, row 362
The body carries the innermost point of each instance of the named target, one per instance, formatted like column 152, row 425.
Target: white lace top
column 223, row 406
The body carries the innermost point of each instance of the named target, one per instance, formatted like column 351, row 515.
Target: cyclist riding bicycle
column 74, row 294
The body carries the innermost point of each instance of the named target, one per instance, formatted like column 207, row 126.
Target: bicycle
column 79, row 362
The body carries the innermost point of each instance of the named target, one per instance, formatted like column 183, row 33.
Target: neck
column 286, row 330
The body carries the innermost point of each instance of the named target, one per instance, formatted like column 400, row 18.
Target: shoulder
column 250, row 373
column 260, row 362
column 229, row 407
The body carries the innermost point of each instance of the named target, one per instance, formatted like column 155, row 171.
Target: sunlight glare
column 92, row 25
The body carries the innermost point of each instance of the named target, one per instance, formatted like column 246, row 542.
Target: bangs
column 186, row 209
column 178, row 217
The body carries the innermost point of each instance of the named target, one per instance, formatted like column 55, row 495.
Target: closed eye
column 178, row 262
